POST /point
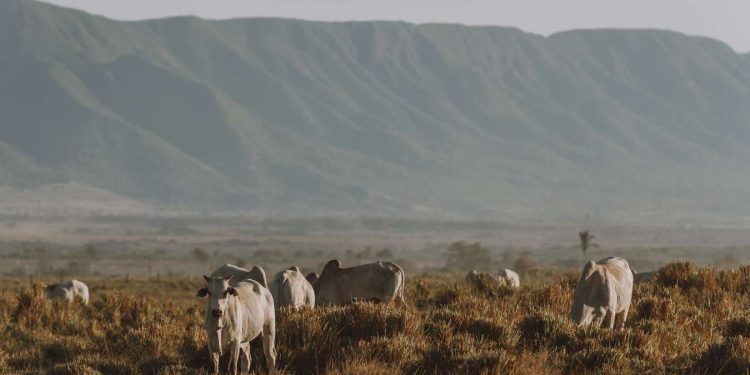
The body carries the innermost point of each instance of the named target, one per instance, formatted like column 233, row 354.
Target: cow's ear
column 332, row 265
column 202, row 293
column 207, row 278
column 232, row 291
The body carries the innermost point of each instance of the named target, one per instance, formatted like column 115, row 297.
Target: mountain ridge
column 384, row 117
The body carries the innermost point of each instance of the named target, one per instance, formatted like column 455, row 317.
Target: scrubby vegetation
column 688, row 320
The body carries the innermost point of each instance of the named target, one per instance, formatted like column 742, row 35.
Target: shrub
column 462, row 256
column 738, row 326
column 652, row 308
column 541, row 329
column 685, row 275
column 731, row 356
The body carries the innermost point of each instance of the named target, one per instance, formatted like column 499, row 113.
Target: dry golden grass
column 689, row 320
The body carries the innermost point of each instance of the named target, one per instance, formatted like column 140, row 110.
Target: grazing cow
column 379, row 281
column 475, row 278
column 238, row 273
column 68, row 290
column 603, row 294
column 503, row 278
column 290, row 288
column 509, row 278
column 237, row 313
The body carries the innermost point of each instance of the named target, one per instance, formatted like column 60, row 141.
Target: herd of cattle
column 242, row 305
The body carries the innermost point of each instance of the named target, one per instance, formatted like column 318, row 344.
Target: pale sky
column 726, row 20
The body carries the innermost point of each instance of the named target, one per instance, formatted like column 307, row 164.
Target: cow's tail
column 282, row 291
column 85, row 295
column 400, row 301
column 286, row 291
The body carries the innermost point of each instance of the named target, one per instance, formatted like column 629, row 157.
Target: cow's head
column 591, row 297
column 326, row 285
column 218, row 291
column 49, row 290
column 312, row 278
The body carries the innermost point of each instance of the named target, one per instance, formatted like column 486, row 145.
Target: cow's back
column 619, row 270
column 239, row 274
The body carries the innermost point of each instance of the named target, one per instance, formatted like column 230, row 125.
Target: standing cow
column 603, row 294
column 379, row 281
column 68, row 290
column 238, row 273
column 290, row 288
column 237, row 313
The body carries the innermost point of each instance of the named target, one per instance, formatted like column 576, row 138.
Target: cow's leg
column 269, row 350
column 234, row 349
column 215, row 356
column 609, row 319
column 621, row 318
column 245, row 358
column 229, row 362
column 400, row 302
column 618, row 321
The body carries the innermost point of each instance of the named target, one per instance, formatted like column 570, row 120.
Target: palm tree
column 586, row 241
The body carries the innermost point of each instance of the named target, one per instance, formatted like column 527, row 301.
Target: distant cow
column 290, row 288
column 603, row 294
column 503, row 277
column 68, row 290
column 238, row 273
column 238, row 312
column 379, row 281
column 475, row 278
column 509, row 278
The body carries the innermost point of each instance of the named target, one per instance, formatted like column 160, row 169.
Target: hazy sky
column 727, row 20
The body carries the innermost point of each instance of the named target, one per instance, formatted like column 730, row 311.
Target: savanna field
column 688, row 320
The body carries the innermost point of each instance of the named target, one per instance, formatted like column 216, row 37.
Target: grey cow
column 379, row 281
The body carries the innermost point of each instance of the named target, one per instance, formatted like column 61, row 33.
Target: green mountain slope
column 376, row 117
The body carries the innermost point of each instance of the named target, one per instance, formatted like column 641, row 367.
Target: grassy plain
column 689, row 320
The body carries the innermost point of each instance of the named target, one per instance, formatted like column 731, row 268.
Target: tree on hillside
column 200, row 254
column 586, row 241
column 462, row 256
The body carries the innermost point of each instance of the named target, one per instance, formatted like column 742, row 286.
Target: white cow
column 379, row 281
column 478, row 278
column 508, row 277
column 237, row 313
column 290, row 288
column 238, row 273
column 603, row 294
column 68, row 290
